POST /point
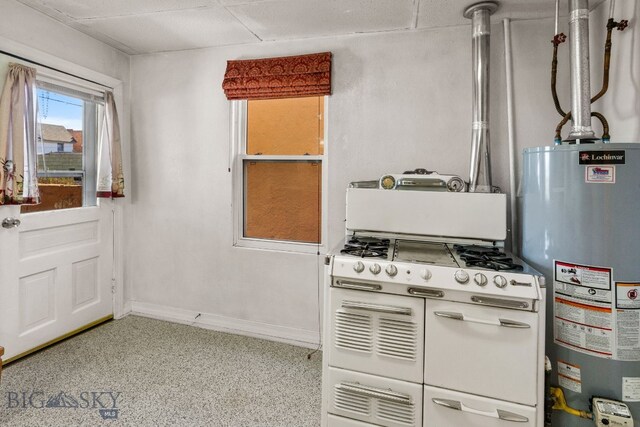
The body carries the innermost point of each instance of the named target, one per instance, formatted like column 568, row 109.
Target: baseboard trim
column 284, row 334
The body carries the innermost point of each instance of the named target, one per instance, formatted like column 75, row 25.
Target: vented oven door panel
column 379, row 334
column 446, row 408
column 482, row 350
column 373, row 399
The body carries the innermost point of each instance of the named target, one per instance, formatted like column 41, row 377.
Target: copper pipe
column 565, row 119
column 557, row 39
column 607, row 62
column 611, row 24
column 605, row 126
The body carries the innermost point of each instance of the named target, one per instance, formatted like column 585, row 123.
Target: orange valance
column 284, row 77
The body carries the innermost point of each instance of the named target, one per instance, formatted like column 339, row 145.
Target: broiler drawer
column 446, row 408
column 373, row 399
column 379, row 334
column 334, row 421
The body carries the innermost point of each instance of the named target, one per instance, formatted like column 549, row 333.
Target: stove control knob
column 425, row 274
column 461, row 276
column 375, row 268
column 391, row 270
column 480, row 279
column 500, row 281
column 358, row 267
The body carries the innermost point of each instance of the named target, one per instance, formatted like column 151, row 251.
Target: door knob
column 10, row 222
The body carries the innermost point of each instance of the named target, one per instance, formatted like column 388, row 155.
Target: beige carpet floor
column 144, row 372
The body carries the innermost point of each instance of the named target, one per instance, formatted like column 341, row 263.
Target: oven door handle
column 497, row 413
column 377, row 393
column 389, row 309
column 507, row 323
column 499, row 302
column 429, row 293
column 357, row 286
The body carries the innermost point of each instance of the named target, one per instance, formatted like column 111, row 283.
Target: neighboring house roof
column 77, row 137
column 55, row 133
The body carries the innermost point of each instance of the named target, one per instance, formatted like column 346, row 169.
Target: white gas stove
column 428, row 322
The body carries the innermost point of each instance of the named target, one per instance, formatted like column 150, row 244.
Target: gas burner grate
column 486, row 257
column 366, row 247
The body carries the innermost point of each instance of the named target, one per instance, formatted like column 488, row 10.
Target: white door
column 447, row 408
column 55, row 274
column 482, row 350
column 373, row 399
column 380, row 334
column 56, row 265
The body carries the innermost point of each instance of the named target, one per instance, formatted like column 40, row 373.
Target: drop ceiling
column 147, row 26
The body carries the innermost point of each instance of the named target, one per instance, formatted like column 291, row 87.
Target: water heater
column 581, row 229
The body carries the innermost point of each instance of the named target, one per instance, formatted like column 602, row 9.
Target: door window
column 66, row 147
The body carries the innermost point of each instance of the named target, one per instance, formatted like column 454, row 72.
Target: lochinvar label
column 613, row 157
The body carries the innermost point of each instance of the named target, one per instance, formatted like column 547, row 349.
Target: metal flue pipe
column 579, row 65
column 480, row 166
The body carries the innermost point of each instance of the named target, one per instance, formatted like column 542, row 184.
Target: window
column 66, row 147
column 279, row 172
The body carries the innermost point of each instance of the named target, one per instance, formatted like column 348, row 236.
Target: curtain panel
column 18, row 157
column 110, row 175
column 283, row 77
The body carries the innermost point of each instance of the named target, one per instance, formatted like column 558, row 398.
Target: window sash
column 237, row 157
column 93, row 102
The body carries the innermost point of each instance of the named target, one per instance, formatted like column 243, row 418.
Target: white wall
column 400, row 101
column 31, row 28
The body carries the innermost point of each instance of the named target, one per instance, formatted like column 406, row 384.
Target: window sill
column 280, row 246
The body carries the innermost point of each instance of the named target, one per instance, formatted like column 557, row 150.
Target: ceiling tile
column 445, row 13
column 176, row 30
column 81, row 9
column 287, row 19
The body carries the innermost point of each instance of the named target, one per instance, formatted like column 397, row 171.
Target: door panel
column 446, row 408
column 379, row 334
column 482, row 350
column 334, row 421
column 373, row 399
column 55, row 274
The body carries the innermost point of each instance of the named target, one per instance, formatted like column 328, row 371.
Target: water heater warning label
column 584, row 282
column 569, row 376
column 630, row 389
column 583, row 316
column 628, row 321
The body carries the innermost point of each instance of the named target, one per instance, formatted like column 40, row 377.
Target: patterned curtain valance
column 284, row 77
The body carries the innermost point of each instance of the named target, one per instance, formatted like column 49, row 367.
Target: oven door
column 380, row 334
column 482, row 350
column 446, row 408
column 375, row 400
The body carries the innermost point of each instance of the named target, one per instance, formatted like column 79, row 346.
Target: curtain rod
column 52, row 68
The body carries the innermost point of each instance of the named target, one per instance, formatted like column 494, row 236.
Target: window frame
column 93, row 99
column 237, row 157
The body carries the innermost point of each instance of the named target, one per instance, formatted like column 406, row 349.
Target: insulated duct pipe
column 579, row 66
column 480, row 167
